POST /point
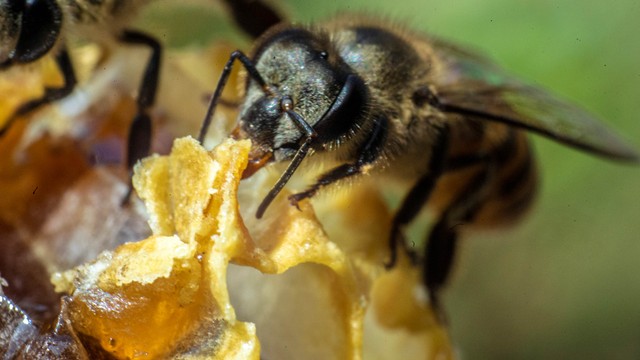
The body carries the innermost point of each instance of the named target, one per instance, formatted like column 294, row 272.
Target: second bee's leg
column 139, row 140
column 50, row 94
column 254, row 17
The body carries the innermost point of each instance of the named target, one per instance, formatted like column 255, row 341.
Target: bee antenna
column 215, row 99
column 302, row 152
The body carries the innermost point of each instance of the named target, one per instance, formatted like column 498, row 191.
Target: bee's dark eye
column 324, row 55
column 286, row 103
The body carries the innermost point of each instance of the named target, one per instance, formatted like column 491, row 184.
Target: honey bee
column 383, row 100
column 30, row 30
column 33, row 29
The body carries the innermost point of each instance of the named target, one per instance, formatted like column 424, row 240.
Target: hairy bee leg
column 139, row 140
column 63, row 61
column 415, row 200
column 368, row 154
column 254, row 17
column 443, row 238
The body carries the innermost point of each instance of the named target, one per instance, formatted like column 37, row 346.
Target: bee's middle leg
column 139, row 140
column 415, row 200
column 442, row 240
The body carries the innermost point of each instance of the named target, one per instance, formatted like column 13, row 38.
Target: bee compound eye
column 286, row 103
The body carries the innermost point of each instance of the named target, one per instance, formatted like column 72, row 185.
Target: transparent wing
column 469, row 84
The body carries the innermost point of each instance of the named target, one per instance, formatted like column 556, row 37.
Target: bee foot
column 295, row 199
column 412, row 255
column 388, row 265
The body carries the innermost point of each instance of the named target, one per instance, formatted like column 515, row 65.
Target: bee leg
column 338, row 173
column 369, row 152
column 254, row 17
column 415, row 200
column 443, row 238
column 50, row 94
column 418, row 196
column 139, row 140
column 440, row 252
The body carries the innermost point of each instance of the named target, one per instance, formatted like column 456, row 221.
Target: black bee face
column 302, row 77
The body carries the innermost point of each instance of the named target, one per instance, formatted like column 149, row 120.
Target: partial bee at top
column 32, row 29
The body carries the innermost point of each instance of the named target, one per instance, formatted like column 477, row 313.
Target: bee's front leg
column 368, row 153
column 336, row 174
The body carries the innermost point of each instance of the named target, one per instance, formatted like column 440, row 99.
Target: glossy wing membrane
column 471, row 85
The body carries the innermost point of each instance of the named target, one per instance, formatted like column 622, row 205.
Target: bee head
column 308, row 91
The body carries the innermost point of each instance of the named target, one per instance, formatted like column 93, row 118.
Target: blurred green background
column 566, row 282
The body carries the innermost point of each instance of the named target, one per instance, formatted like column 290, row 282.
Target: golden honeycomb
column 189, row 272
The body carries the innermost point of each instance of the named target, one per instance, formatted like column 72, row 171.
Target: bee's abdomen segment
column 514, row 184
